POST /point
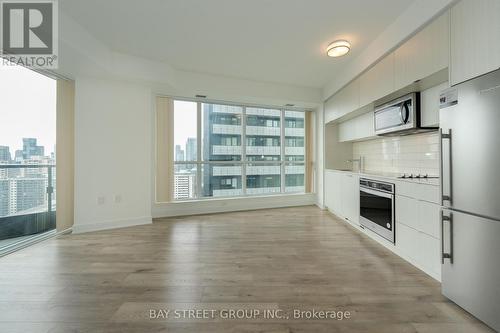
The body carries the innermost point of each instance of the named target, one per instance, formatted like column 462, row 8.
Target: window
column 243, row 150
column 185, row 152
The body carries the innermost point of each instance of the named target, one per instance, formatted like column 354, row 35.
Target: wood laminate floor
column 293, row 259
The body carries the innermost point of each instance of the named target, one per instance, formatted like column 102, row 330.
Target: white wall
column 319, row 155
column 112, row 154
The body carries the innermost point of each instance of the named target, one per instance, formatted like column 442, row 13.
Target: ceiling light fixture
column 338, row 48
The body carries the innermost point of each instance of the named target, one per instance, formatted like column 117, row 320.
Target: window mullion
column 244, row 151
column 282, row 150
column 199, row 158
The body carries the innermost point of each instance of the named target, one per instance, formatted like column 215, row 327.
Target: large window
column 234, row 150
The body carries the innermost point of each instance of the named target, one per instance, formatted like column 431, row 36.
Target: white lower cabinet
column 417, row 232
column 407, row 241
column 429, row 255
column 350, row 197
column 342, row 195
column 419, row 249
column 333, row 191
column 417, row 217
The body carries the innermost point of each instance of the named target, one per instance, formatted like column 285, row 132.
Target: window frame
column 244, row 162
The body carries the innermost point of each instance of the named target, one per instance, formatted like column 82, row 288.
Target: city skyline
column 29, row 148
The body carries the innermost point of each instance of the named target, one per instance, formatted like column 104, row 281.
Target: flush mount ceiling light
column 338, row 48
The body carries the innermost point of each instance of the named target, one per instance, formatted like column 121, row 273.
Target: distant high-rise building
column 5, row 154
column 222, row 142
column 18, row 155
column 30, row 148
column 191, row 149
column 4, row 197
column 179, row 153
column 184, row 185
column 23, row 190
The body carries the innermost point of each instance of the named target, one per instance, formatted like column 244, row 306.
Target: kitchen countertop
column 392, row 176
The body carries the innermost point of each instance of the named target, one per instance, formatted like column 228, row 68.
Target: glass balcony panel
column 221, row 132
column 294, row 178
column 27, row 201
column 263, row 178
column 221, row 180
column 294, row 136
column 263, row 134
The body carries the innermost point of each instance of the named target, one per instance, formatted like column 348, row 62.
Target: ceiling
column 281, row 41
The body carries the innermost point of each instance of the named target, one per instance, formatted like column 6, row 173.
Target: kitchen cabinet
column 424, row 192
column 331, row 109
column 407, row 242
column 361, row 127
column 418, row 229
column 343, row 102
column 333, row 191
column 350, row 197
column 429, row 107
column 417, row 216
column 377, row 82
column 419, row 249
column 474, row 36
column 342, row 195
column 424, row 54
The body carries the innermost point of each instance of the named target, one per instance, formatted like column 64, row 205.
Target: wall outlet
column 118, row 198
column 101, row 200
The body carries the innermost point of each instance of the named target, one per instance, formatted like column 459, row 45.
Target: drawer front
column 428, row 218
column 424, row 192
column 428, row 193
column 407, row 211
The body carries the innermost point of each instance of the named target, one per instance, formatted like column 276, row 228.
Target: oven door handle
column 377, row 193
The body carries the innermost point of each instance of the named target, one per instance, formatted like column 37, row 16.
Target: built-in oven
column 377, row 207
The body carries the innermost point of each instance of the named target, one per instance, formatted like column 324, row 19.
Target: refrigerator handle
column 442, row 137
column 448, row 255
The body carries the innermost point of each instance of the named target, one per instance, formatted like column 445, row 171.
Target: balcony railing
column 27, row 199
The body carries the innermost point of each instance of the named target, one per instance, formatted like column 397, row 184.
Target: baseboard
column 210, row 206
column 113, row 224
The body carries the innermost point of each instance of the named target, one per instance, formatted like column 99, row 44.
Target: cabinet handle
column 445, row 255
column 443, row 136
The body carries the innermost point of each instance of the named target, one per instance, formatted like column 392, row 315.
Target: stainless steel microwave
column 400, row 116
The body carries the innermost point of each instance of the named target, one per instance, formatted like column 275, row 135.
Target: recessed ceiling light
column 338, row 48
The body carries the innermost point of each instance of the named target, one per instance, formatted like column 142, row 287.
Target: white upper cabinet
column 331, row 109
column 361, row 127
column 378, row 81
column 343, row 102
column 424, row 54
column 475, row 36
column 430, row 105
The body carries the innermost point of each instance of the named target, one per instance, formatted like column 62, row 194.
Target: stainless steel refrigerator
column 470, row 170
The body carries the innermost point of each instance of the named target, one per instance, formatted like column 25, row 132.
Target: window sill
column 220, row 205
column 270, row 195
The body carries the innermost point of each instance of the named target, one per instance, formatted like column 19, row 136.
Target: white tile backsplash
column 401, row 154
